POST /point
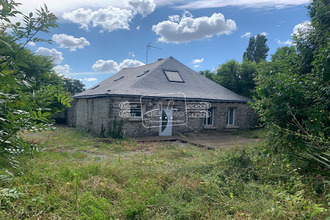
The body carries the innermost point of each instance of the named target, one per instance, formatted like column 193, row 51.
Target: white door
column 165, row 126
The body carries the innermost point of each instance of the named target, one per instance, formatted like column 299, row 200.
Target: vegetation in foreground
column 83, row 177
column 291, row 92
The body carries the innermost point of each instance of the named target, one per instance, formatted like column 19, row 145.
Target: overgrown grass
column 84, row 177
column 255, row 133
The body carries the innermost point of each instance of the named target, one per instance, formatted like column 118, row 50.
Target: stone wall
column 98, row 114
column 71, row 114
column 91, row 114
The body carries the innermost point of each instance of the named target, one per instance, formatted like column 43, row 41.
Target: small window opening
column 118, row 79
column 231, row 116
column 94, row 87
column 137, row 110
column 173, row 76
column 145, row 72
column 209, row 120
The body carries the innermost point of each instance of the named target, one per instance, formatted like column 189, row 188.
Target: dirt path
column 208, row 139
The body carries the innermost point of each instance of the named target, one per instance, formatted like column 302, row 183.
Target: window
column 173, row 76
column 141, row 74
column 136, row 110
column 231, row 116
column 209, row 120
column 94, row 87
column 118, row 79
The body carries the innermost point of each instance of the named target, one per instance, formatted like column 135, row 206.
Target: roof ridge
column 148, row 64
column 154, row 82
column 154, row 67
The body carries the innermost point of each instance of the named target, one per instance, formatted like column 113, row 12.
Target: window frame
column 206, row 120
column 176, row 81
column 140, row 110
column 231, row 122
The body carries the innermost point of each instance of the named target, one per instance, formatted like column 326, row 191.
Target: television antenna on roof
column 147, row 51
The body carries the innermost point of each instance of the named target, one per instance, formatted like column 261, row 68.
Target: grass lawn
column 79, row 176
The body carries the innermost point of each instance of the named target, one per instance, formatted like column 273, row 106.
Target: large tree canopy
column 257, row 49
column 294, row 91
column 237, row 77
column 30, row 91
column 73, row 86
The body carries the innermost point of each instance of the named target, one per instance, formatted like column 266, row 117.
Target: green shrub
column 116, row 129
column 94, row 207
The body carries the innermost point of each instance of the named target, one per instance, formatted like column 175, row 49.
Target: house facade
column 164, row 98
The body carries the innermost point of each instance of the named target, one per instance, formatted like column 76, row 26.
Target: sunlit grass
column 81, row 176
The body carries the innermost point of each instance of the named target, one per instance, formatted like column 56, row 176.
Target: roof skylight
column 141, row 74
column 118, row 79
column 94, row 87
column 173, row 76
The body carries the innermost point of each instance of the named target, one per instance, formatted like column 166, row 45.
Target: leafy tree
column 209, row 74
column 237, row 77
column 248, row 72
column 285, row 60
column 229, row 75
column 249, row 54
column 293, row 93
column 277, row 89
column 305, row 47
column 257, row 49
column 36, row 70
column 261, row 48
column 29, row 89
column 73, row 86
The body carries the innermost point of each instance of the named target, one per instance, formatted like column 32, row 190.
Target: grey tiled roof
column 150, row 80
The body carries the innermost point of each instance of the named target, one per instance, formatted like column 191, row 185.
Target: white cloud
column 65, row 69
column 79, row 16
column 138, row 27
column 302, row 29
column 131, row 53
column 106, row 66
column 287, row 42
column 58, row 7
column 174, row 18
column 110, row 18
column 111, row 66
column 31, row 43
column 142, row 7
column 241, row 3
column 67, row 41
column 198, row 61
column 247, row 34
column 90, row 79
column 79, row 74
column 189, row 28
column 53, row 53
column 127, row 63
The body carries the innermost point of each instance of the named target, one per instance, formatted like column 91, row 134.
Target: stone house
column 163, row 98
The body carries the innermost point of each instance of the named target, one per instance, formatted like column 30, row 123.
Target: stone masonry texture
column 97, row 115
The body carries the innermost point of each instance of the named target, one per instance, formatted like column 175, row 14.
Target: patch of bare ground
column 210, row 140
column 139, row 148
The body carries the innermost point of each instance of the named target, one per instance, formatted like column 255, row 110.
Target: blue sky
column 96, row 38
